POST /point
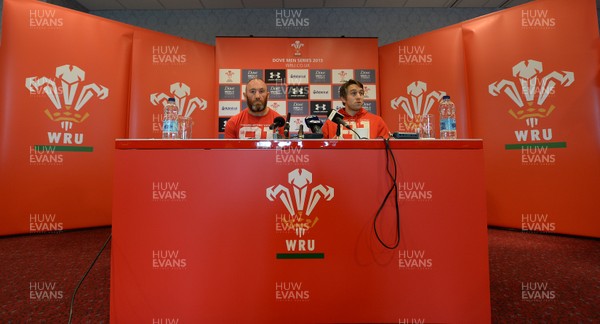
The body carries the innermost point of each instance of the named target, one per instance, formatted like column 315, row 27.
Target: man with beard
column 366, row 124
column 254, row 121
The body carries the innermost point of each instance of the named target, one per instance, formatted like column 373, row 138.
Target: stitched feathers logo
column 68, row 95
column 532, row 107
column 299, row 219
column 418, row 103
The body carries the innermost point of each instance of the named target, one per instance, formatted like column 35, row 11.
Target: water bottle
column 300, row 131
column 170, row 127
column 447, row 119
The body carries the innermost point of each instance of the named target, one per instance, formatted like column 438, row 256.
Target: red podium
column 285, row 231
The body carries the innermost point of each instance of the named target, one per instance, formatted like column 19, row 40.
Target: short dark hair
column 344, row 87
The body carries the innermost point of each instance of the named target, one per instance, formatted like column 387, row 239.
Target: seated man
column 366, row 124
column 254, row 121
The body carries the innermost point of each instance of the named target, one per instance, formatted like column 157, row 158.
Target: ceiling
column 93, row 5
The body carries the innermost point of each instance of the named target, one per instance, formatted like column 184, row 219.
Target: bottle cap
column 171, row 99
column 446, row 97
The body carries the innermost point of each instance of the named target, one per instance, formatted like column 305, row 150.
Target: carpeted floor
column 534, row 278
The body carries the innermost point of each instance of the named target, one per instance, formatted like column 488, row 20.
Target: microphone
column 286, row 128
column 338, row 118
column 277, row 122
column 314, row 124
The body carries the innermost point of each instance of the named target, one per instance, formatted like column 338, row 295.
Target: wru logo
column 300, row 181
column 534, row 90
column 418, row 104
column 180, row 91
column 70, row 79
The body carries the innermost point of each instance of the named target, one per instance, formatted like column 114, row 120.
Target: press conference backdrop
column 533, row 102
column 303, row 75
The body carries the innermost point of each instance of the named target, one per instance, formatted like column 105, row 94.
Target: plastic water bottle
column 170, row 127
column 447, row 119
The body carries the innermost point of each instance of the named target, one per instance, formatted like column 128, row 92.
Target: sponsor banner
column 165, row 66
column 536, row 109
column 63, row 105
column 303, row 74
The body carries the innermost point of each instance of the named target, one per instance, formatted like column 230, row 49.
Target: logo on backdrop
column 415, row 105
column 185, row 105
column 297, row 45
column 531, row 106
column 69, row 96
column 299, row 219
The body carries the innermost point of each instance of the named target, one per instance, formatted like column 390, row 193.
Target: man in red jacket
column 254, row 121
column 366, row 124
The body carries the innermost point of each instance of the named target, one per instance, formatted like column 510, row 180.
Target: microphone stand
column 338, row 132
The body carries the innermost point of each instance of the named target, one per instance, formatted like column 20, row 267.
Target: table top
column 150, row 144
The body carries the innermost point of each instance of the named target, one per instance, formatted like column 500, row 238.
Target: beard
column 258, row 105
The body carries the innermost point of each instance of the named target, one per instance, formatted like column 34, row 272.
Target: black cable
column 85, row 275
column 394, row 189
column 357, row 135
